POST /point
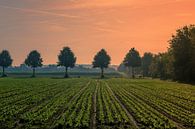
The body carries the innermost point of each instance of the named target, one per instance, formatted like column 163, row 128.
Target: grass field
column 92, row 103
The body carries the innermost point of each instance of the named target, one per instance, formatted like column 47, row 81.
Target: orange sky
column 89, row 25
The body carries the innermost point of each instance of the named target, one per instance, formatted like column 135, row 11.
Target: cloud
column 104, row 29
column 89, row 4
column 40, row 12
column 53, row 26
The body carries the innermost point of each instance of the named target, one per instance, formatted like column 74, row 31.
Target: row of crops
column 91, row 103
column 159, row 105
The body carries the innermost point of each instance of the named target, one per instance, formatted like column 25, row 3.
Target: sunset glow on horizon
column 86, row 26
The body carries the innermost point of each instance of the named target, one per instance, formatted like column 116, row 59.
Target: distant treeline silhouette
column 66, row 58
column 178, row 63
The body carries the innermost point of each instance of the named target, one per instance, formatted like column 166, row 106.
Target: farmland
column 93, row 103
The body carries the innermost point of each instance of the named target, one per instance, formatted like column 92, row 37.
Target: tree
column 193, row 53
column 67, row 59
column 34, row 60
column 154, row 67
column 101, row 60
column 132, row 59
column 182, row 47
column 5, row 61
column 161, row 66
column 146, row 62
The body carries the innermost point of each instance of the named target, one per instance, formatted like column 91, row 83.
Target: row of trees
column 66, row 58
column 178, row 63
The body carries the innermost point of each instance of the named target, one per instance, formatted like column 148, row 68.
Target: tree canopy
column 161, row 66
column 132, row 59
column 34, row 60
column 101, row 60
column 146, row 62
column 182, row 46
column 5, row 60
column 67, row 59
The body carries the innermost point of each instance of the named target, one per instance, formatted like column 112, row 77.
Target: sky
column 86, row 26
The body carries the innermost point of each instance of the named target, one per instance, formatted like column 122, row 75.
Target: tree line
column 178, row 63
column 66, row 58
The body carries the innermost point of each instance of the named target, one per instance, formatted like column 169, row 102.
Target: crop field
column 95, row 104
